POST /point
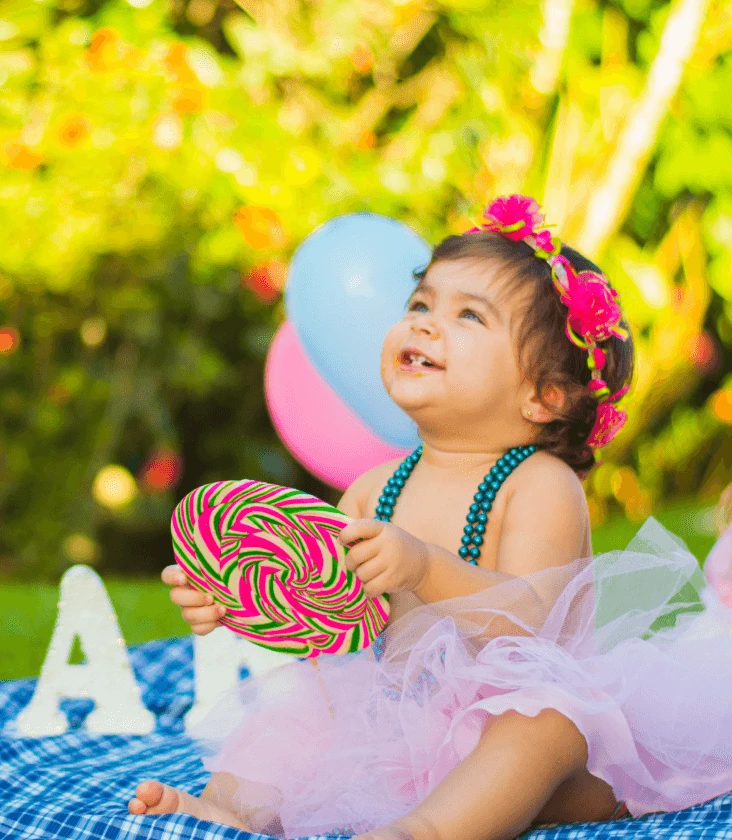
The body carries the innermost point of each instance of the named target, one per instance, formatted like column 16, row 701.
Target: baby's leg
column 223, row 791
column 217, row 803
column 499, row 789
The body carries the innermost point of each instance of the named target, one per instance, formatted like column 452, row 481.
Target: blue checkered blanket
column 77, row 784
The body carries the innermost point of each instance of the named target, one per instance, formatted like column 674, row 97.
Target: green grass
column 145, row 612
column 28, row 614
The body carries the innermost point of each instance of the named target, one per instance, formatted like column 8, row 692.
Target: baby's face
column 469, row 339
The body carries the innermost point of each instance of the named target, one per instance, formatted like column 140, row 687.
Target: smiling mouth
column 406, row 363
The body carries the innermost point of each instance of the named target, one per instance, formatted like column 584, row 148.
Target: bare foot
column 157, row 798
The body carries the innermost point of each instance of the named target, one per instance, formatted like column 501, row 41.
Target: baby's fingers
column 184, row 596
column 201, row 617
column 173, row 576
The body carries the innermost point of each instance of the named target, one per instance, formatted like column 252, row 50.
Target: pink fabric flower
column 599, row 357
column 619, row 394
column 544, row 241
column 595, row 385
column 608, row 423
column 593, row 312
column 564, row 275
column 520, row 212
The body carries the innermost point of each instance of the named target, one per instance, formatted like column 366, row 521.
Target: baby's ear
column 554, row 399
column 554, row 396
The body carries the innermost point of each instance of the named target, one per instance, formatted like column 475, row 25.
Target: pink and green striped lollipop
column 269, row 554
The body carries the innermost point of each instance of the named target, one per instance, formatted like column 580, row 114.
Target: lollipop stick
column 322, row 687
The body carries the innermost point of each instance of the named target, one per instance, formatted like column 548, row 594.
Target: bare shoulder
column 550, row 486
column 547, row 519
column 543, row 472
column 359, row 500
column 378, row 476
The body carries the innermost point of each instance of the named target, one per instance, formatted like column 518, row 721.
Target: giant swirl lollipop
column 269, row 555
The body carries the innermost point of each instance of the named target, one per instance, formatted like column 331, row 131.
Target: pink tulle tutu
column 632, row 645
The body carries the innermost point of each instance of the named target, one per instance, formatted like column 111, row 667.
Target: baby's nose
column 429, row 329
column 427, row 323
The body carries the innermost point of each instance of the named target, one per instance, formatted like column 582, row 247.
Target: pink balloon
column 313, row 423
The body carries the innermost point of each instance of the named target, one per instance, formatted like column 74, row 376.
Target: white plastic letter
column 217, row 659
column 84, row 610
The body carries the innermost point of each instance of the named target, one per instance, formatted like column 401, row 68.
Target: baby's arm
column 546, row 521
column 547, row 525
column 353, row 500
column 198, row 608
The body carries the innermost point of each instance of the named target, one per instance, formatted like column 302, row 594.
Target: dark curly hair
column 546, row 356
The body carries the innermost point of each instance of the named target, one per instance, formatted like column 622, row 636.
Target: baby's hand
column 387, row 559
column 197, row 608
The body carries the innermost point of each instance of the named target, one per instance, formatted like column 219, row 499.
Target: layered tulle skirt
column 633, row 646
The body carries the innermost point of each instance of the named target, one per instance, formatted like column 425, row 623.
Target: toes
column 159, row 798
column 150, row 793
column 136, row 806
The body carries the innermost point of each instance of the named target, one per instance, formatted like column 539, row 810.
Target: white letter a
column 84, row 610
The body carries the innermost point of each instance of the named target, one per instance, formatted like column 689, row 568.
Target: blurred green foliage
column 163, row 160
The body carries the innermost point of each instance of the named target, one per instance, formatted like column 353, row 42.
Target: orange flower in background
column 9, row 340
column 261, row 227
column 20, row 156
column 721, row 404
column 73, row 130
column 191, row 96
column 176, row 57
column 362, row 59
column 162, row 471
column 176, row 62
column 190, row 100
column 366, row 141
column 104, row 49
column 108, row 50
column 267, row 280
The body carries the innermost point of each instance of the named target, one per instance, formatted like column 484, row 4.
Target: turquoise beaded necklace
column 483, row 500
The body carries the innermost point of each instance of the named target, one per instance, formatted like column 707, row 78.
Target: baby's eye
column 419, row 303
column 472, row 313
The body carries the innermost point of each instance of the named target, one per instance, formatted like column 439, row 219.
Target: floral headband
column 594, row 315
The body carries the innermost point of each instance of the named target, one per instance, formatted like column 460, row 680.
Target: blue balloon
column 347, row 285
